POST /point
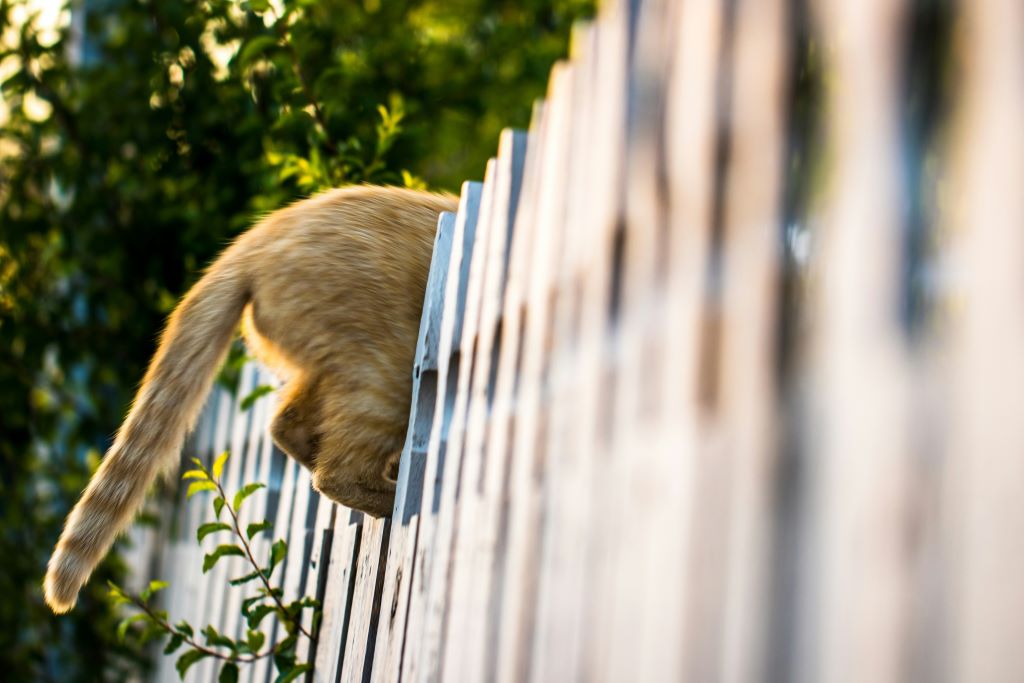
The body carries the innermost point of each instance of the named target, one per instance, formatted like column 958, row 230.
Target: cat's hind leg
column 357, row 463
column 296, row 425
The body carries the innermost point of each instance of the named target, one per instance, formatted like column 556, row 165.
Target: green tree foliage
column 136, row 145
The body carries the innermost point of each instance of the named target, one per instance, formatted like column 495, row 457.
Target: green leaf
column 195, row 474
column 293, row 673
column 205, row 530
column 255, row 48
column 259, row 6
column 248, row 603
column 151, row 631
column 228, row 673
column 273, row 592
column 258, row 614
column 153, row 587
column 309, row 601
column 231, row 370
column 284, row 658
column 187, row 660
column 244, row 579
column 216, row 638
column 197, row 486
column 218, row 464
column 221, row 551
column 185, row 627
column 278, row 551
column 117, row 596
column 218, row 505
column 255, row 640
column 122, row 628
column 244, row 493
column 174, row 643
column 257, row 527
column 255, row 395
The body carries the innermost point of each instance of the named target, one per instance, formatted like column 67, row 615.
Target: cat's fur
column 331, row 291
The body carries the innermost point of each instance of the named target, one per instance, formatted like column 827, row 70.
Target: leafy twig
column 187, row 639
column 264, row 579
column 243, row 650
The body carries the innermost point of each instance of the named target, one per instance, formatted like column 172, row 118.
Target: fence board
column 365, row 605
column 985, row 516
column 748, row 379
column 317, row 576
column 409, row 497
column 414, row 667
column 556, row 641
column 855, row 622
column 446, row 609
column 520, row 553
column 494, row 519
column 465, row 638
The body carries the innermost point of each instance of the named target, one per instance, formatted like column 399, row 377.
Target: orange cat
column 331, row 290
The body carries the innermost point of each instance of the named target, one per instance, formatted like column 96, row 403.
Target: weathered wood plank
column 682, row 454
column 855, row 625
column 494, row 520
column 337, row 598
column 464, row 640
column 642, row 472
column 440, row 613
column 578, row 375
column 749, row 394
column 985, row 509
column 449, row 596
column 365, row 607
column 409, row 497
column 557, row 638
column 413, row 668
column 527, row 460
column 317, row 576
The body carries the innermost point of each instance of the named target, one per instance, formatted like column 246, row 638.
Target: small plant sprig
column 153, row 622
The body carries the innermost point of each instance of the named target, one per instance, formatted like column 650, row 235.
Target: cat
column 330, row 291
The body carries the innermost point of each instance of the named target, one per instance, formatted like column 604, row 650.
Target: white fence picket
column 409, row 497
column 984, row 513
column 473, row 562
column 520, row 556
column 414, row 664
column 337, row 596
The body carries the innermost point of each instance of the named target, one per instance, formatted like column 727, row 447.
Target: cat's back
column 350, row 264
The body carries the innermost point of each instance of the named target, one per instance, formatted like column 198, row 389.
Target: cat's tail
column 192, row 347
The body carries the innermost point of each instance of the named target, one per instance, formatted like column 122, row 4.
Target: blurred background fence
column 676, row 419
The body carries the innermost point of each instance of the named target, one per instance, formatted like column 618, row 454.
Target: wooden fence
column 672, row 419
